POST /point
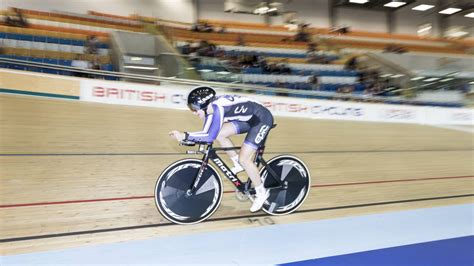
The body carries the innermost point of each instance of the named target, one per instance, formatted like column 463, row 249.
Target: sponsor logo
column 399, row 114
column 205, row 99
column 227, row 172
column 294, row 164
column 261, row 134
column 128, row 94
column 462, row 117
column 240, row 109
column 316, row 109
column 337, row 111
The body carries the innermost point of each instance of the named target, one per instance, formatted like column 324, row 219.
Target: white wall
column 117, row 7
column 408, row 20
column 176, row 10
column 314, row 12
column 462, row 21
column 360, row 19
column 214, row 10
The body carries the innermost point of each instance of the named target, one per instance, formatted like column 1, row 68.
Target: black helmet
column 200, row 97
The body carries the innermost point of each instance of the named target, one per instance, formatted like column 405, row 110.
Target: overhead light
column 223, row 72
column 427, row 28
column 417, row 78
column 385, row 75
column 205, row 70
column 395, row 4
column 423, row 7
column 470, row 15
column 141, row 67
column 430, row 79
column 445, row 80
column 136, row 58
column 458, row 34
column 358, row 1
column 398, row 76
column 472, row 82
column 449, row 11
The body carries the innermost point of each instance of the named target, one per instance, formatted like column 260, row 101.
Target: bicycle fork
column 195, row 183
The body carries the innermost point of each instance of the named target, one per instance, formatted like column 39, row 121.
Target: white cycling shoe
column 261, row 196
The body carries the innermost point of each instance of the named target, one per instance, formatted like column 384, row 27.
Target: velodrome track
column 76, row 173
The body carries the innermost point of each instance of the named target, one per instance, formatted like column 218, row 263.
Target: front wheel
column 172, row 196
column 294, row 173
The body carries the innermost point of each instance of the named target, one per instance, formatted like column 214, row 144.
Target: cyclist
column 225, row 116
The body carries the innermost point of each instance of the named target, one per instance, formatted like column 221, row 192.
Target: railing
column 235, row 87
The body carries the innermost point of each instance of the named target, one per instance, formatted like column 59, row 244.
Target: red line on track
column 230, row 191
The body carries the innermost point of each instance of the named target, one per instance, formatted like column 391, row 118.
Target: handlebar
column 187, row 143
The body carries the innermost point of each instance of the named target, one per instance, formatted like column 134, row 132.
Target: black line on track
column 182, row 153
column 26, row 238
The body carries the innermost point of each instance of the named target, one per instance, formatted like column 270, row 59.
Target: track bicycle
column 190, row 190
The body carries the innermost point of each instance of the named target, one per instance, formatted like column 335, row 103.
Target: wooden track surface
column 76, row 173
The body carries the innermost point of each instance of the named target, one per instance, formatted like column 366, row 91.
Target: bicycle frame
column 210, row 154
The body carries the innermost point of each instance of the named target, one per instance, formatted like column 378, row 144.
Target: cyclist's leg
column 254, row 139
column 247, row 153
column 227, row 130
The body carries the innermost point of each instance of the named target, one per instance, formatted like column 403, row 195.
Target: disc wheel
column 294, row 173
column 172, row 196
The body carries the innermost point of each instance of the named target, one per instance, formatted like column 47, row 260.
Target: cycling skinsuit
column 244, row 114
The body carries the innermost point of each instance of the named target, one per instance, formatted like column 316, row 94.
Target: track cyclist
column 229, row 115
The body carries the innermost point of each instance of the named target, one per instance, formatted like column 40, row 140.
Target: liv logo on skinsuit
column 240, row 109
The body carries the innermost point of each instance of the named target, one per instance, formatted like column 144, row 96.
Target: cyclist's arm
column 212, row 126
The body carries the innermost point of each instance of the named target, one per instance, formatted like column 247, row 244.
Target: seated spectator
column 82, row 64
column 393, row 48
column 223, row 29
column 92, row 45
column 342, row 30
column 241, row 40
column 196, row 27
column 351, row 64
column 207, row 28
column 346, row 89
column 186, row 48
column 17, row 20
column 302, row 35
column 312, row 47
column 283, row 67
column 314, row 82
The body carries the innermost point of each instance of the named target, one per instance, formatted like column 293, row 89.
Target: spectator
column 351, row 64
column 223, row 29
column 91, row 45
column 392, row 48
column 342, row 30
column 207, row 28
column 302, row 35
column 241, row 40
column 314, row 82
column 82, row 65
column 17, row 20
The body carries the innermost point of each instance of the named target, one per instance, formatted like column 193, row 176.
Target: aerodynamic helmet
column 200, row 97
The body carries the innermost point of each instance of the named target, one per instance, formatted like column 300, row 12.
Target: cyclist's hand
column 177, row 135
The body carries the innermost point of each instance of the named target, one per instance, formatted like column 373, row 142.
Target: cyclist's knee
column 244, row 161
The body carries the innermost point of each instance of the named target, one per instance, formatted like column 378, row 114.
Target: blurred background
column 390, row 82
column 410, row 52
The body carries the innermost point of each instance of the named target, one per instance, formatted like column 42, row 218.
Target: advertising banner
column 174, row 96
